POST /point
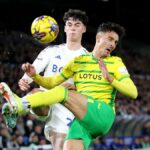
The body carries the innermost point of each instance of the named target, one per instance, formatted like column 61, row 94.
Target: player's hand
column 23, row 84
column 29, row 69
column 69, row 86
column 104, row 70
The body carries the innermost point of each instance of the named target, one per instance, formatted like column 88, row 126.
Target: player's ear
column 84, row 30
column 98, row 37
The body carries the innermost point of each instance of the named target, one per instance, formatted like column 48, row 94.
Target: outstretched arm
column 46, row 82
column 40, row 63
column 125, row 86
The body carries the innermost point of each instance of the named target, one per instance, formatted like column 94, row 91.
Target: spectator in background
column 146, row 128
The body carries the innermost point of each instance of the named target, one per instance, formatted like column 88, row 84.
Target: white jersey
column 53, row 58
column 50, row 61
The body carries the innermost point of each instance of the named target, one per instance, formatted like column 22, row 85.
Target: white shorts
column 59, row 120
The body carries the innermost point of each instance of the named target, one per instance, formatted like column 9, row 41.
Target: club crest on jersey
column 58, row 57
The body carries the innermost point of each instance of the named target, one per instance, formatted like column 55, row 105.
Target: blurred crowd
column 122, row 143
column 17, row 48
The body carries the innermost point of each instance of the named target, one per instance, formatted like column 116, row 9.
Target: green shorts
column 96, row 122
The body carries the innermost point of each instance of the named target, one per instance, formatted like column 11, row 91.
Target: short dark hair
column 110, row 26
column 76, row 14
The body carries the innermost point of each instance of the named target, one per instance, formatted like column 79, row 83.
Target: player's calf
column 42, row 110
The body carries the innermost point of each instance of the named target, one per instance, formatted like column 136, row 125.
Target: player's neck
column 73, row 45
column 97, row 54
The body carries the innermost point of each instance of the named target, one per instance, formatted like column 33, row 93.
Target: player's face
column 107, row 42
column 74, row 29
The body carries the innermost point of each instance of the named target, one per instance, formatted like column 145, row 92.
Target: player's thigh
column 76, row 103
column 57, row 140
column 73, row 145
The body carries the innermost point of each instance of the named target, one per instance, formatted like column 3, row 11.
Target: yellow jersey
column 88, row 77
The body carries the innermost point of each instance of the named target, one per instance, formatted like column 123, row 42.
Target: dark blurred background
column 131, row 129
column 134, row 15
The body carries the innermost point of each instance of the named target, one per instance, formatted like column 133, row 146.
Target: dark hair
column 110, row 26
column 76, row 14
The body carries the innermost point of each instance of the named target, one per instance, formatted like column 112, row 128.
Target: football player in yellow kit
column 97, row 76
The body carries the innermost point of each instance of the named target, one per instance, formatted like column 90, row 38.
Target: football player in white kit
column 51, row 60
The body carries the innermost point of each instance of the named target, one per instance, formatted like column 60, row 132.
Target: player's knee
column 73, row 145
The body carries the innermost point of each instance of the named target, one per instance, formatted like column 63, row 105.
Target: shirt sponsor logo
column 56, row 68
column 90, row 76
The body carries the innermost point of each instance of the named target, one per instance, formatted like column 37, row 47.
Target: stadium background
column 132, row 126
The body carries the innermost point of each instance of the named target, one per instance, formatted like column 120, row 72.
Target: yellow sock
column 20, row 110
column 49, row 97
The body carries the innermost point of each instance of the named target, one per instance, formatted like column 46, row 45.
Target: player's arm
column 124, row 86
column 40, row 64
column 48, row 82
